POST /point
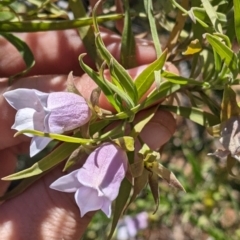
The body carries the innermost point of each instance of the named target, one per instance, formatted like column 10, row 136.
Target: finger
column 159, row 130
column 42, row 213
column 56, row 52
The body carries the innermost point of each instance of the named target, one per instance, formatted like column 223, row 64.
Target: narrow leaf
column 76, row 156
column 149, row 10
column 86, row 33
column 118, row 70
column 99, row 81
column 139, row 183
column 226, row 54
column 24, row 50
column 120, row 204
column 55, row 136
column 195, row 114
column 146, row 78
column 55, row 157
column 236, row 5
column 182, row 80
column 46, row 25
column 212, row 15
column 128, row 47
column 153, row 183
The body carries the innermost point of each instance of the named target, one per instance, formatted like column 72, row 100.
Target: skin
column 40, row 212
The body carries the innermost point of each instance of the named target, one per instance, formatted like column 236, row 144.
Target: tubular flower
column 97, row 183
column 55, row 112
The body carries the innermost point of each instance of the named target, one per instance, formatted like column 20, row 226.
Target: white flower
column 55, row 112
column 97, row 183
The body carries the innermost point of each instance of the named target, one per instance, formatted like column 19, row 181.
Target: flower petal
column 24, row 119
column 88, row 200
column 68, row 111
column 23, row 98
column 38, row 144
column 67, row 183
column 104, row 170
column 28, row 118
column 106, row 207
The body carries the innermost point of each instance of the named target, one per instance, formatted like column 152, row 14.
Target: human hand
column 40, row 212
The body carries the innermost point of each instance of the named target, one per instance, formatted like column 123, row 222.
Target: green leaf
column 217, row 61
column 98, row 126
column 126, row 143
column 226, row 54
column 146, row 78
column 152, row 22
column 120, row 204
column 128, row 47
column 182, row 80
column 166, row 88
column 55, row 157
column 76, row 156
column 139, row 183
column 118, row 71
column 201, row 14
column 46, row 25
column 196, row 115
column 55, row 136
column 24, row 50
column 153, row 183
column 101, row 83
column 212, row 15
column 236, row 6
column 116, row 90
column 157, row 78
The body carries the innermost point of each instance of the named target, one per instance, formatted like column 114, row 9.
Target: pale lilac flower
column 129, row 226
column 230, row 139
column 55, row 112
column 97, row 183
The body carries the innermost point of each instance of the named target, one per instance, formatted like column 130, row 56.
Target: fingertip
column 159, row 130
